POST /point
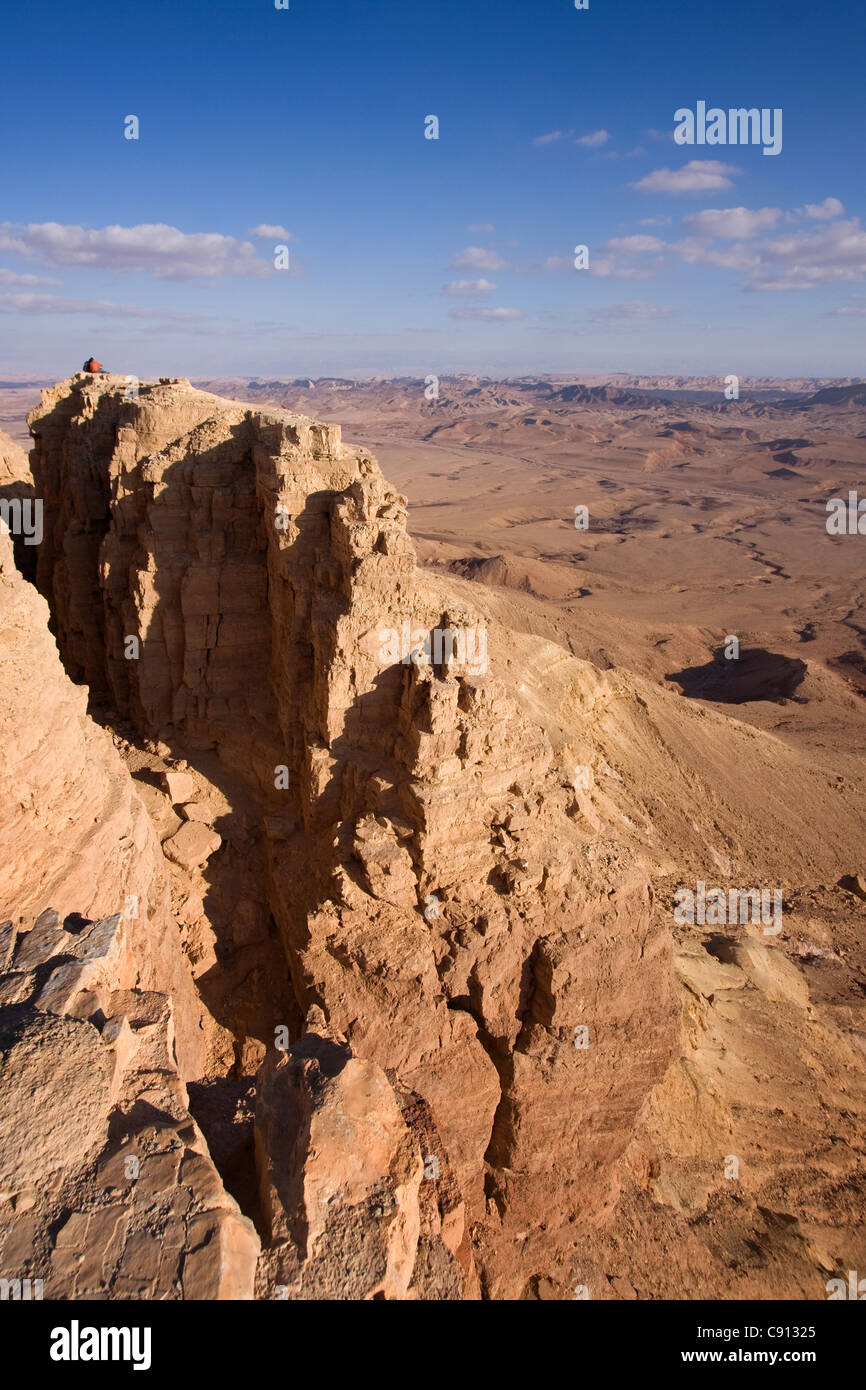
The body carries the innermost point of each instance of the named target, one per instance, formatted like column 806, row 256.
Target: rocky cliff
column 239, row 582
column 353, row 900
column 106, row 1185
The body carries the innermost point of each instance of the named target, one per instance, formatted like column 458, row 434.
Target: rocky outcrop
column 75, row 834
column 239, row 581
column 107, row 1189
column 358, row 1196
column 14, row 466
column 106, row 1185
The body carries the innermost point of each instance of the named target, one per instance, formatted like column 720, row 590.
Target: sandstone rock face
column 74, row 832
column 342, row 1172
column 106, row 1185
column 468, row 924
column 50, row 1115
column 14, row 467
column 107, row 1189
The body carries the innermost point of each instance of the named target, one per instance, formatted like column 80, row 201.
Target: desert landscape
column 432, row 678
column 367, row 974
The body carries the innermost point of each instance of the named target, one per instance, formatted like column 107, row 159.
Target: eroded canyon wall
column 226, row 578
column 107, row 1189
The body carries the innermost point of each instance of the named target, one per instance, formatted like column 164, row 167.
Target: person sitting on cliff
column 91, row 365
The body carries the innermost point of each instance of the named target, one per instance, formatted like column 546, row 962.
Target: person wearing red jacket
column 91, row 365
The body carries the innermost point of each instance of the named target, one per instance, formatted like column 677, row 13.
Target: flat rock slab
column 179, row 785
column 55, row 1076
column 193, row 845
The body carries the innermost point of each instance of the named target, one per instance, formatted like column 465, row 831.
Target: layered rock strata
column 107, row 1189
column 239, row 581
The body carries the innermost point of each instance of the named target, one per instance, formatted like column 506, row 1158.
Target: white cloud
column 694, row 251
column 798, row 260
column 594, row 139
column 733, row 223
column 469, row 289
column 631, row 311
column 798, row 278
column 822, row 212
column 102, row 308
column 805, row 259
column 477, row 258
column 639, row 257
column 656, row 221
column 737, row 239
column 697, row 176
column 552, row 136
column 620, row 258
column 616, row 268
column 636, row 244
column 487, row 315
column 149, row 248
column 266, row 232
column 9, row 277
column 481, row 227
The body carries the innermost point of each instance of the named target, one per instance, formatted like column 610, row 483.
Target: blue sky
column 411, row 256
